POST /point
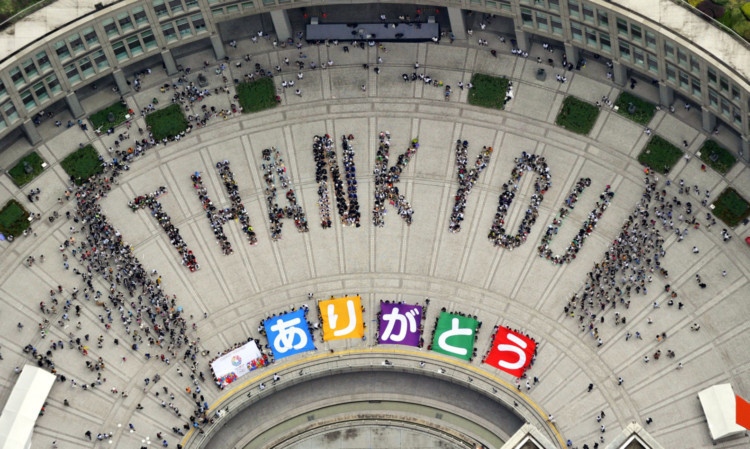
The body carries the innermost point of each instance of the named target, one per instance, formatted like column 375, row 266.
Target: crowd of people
column 218, row 217
column 589, row 224
column 467, row 177
column 274, row 168
column 387, row 178
column 526, row 163
column 347, row 204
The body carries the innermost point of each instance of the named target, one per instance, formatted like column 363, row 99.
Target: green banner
column 454, row 335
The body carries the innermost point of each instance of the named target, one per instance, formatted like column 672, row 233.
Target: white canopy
column 23, row 407
column 720, row 407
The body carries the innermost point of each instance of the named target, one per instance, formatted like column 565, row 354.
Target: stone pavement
column 460, row 271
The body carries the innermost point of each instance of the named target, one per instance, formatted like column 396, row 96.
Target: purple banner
column 399, row 324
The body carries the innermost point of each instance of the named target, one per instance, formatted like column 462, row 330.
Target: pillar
column 166, row 56
column 281, row 24
column 571, row 51
column 120, row 81
column 218, row 46
column 74, row 105
column 745, row 150
column 709, row 120
column 29, row 128
column 456, row 18
column 620, row 73
column 666, row 95
column 522, row 40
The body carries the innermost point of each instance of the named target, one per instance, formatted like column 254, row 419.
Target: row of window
column 8, row 114
column 40, row 92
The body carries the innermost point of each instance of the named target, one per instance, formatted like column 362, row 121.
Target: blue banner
column 289, row 334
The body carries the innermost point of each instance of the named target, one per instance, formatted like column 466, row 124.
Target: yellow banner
column 342, row 318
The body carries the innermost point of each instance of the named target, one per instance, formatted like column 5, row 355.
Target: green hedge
column 99, row 119
column 19, row 175
column 644, row 110
column 746, row 10
column 731, row 208
column 14, row 219
column 577, row 115
column 167, row 122
column 660, row 155
column 82, row 164
column 725, row 159
column 257, row 95
column 488, row 91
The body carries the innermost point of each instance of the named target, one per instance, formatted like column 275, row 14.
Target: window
column 134, row 44
column 100, row 59
column 53, row 84
column 41, row 92
column 696, row 87
column 125, row 22
column 591, row 37
column 603, row 18
column 684, row 79
column 669, row 50
column 624, row 50
column 504, row 4
column 184, row 27
column 42, row 60
column 653, row 64
column 16, row 76
column 110, row 28
column 711, row 76
column 3, row 125
column 71, row 72
column 29, row 68
column 650, row 40
column 217, row 12
column 526, row 16
column 62, row 50
column 724, row 84
column 76, row 43
column 89, row 35
column 198, row 23
column 735, row 93
column 681, row 57
column 573, row 8
column 175, row 6
column 10, row 112
column 576, row 31
column 556, row 25
column 635, row 33
column 120, row 51
column 190, row 4
column 695, row 65
column 160, row 8
column 622, row 27
column 588, row 13
column 737, row 116
column 3, row 91
column 554, row 5
column 234, row 8
column 87, row 68
column 671, row 72
column 169, row 32
column 713, row 98
column 604, row 42
column 638, row 56
column 148, row 39
column 725, row 107
column 139, row 15
column 28, row 99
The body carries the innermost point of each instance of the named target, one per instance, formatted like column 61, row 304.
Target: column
column 166, row 56
column 709, row 120
column 620, row 73
column 218, row 46
column 666, row 94
column 745, row 150
column 120, row 81
column 571, row 51
column 74, row 105
column 522, row 40
column 456, row 18
column 281, row 24
column 29, row 128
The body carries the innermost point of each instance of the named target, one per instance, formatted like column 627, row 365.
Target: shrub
column 19, row 175
column 724, row 158
column 659, row 155
column 82, row 164
column 257, row 95
column 167, row 122
column 577, row 115
column 100, row 119
column 14, row 219
column 731, row 208
column 644, row 110
column 488, row 91
column 711, row 9
column 746, row 10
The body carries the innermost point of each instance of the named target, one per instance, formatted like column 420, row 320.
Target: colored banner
column 399, row 324
column 289, row 334
column 743, row 412
column 235, row 364
column 511, row 352
column 342, row 318
column 454, row 335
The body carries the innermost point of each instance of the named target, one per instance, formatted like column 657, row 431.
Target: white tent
column 23, row 407
column 720, row 407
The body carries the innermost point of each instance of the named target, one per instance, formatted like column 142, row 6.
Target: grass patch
column 14, row 219
column 257, row 95
column 19, row 175
column 731, row 208
column 167, row 122
column 82, row 164
column 660, row 155
column 100, row 119
column 488, row 91
column 644, row 110
column 724, row 159
column 577, row 115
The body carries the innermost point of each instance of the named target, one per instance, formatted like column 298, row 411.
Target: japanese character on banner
column 511, row 352
column 454, row 335
column 400, row 324
column 342, row 318
column 289, row 334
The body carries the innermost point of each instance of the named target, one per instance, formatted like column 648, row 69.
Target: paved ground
column 458, row 271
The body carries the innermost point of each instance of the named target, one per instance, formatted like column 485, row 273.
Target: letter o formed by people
column 511, row 352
